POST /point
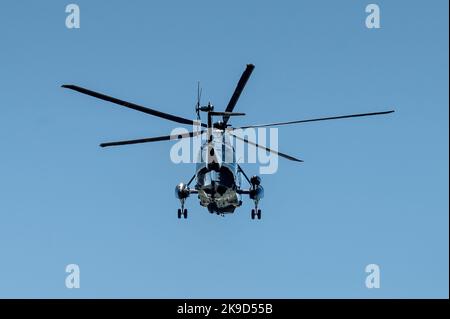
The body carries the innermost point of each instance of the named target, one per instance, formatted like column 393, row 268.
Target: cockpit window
column 226, row 177
column 222, row 177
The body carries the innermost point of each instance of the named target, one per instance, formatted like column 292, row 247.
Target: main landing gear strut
column 255, row 192
column 182, row 192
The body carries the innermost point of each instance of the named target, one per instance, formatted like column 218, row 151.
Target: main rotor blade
column 153, row 139
column 291, row 158
column 133, row 106
column 237, row 92
column 315, row 120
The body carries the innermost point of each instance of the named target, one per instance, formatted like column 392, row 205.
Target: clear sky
column 371, row 190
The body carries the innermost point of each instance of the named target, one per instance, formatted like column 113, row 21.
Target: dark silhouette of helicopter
column 218, row 181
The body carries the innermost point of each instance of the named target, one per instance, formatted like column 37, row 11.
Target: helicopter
column 218, row 180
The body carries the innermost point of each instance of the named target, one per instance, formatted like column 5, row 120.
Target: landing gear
column 256, row 212
column 182, row 212
column 255, row 192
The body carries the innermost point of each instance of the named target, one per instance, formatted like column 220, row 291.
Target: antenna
column 199, row 97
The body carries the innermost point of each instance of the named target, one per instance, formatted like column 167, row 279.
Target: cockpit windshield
column 223, row 177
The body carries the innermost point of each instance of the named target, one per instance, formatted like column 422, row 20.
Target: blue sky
column 372, row 190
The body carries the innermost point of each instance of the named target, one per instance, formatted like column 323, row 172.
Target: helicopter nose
column 221, row 189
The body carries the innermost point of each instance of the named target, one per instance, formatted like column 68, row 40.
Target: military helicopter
column 218, row 180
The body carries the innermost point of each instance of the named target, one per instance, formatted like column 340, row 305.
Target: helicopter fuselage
column 218, row 179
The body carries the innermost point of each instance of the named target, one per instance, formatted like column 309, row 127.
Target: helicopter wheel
column 259, row 214
column 185, row 213
column 253, row 214
column 179, row 213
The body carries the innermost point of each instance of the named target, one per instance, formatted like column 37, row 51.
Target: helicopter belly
column 223, row 202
